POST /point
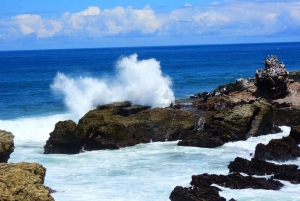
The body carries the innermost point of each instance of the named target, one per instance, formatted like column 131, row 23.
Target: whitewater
column 153, row 77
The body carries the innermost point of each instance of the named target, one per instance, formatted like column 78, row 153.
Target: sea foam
column 138, row 81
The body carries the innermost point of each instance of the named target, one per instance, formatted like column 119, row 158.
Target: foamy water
column 140, row 82
column 143, row 172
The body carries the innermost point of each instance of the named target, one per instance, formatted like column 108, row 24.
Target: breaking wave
column 140, row 82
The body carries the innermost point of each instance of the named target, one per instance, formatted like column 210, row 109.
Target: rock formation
column 6, row 145
column 233, row 123
column 119, row 125
column 278, row 150
column 272, row 82
column 23, row 181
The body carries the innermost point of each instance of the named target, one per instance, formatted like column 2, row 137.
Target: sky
column 52, row 24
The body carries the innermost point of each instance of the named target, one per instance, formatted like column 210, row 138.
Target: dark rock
column 272, row 82
column 232, row 124
column 286, row 116
column 63, row 140
column 258, row 167
column 295, row 133
column 196, row 194
column 6, row 145
column 289, row 173
column 278, row 150
column 119, row 125
column 235, row 181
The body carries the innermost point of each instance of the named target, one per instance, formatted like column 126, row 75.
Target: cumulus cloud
column 232, row 18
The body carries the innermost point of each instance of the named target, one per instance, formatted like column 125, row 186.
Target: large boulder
column 272, row 82
column 233, row 123
column 63, row 139
column 23, row 181
column 119, row 125
column 6, row 145
column 278, row 150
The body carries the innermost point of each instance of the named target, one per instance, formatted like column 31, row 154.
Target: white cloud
column 232, row 18
column 92, row 10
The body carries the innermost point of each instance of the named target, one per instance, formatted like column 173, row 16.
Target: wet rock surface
column 278, row 150
column 6, row 145
column 289, row 173
column 63, row 139
column 233, row 123
column 119, row 125
column 23, row 181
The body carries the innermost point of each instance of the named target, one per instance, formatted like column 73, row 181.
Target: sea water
column 42, row 87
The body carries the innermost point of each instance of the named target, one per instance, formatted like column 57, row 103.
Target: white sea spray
column 140, row 82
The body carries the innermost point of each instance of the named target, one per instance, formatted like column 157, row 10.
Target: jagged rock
column 202, row 190
column 196, row 194
column 23, row 181
column 295, row 133
column 259, row 167
column 232, row 124
column 272, row 82
column 63, row 140
column 6, row 145
column 119, row 125
column 278, row 150
column 235, row 181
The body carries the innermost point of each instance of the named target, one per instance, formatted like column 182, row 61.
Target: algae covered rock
column 23, row 181
column 63, row 139
column 121, row 124
column 6, row 145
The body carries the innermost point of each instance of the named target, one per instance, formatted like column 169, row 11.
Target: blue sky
column 51, row 24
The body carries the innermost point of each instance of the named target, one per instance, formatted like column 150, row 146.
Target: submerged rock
column 6, row 145
column 202, row 190
column 278, row 150
column 258, row 167
column 23, row 181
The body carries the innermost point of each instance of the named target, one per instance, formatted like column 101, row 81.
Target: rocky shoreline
column 235, row 111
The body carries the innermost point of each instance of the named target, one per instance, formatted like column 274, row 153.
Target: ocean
column 38, row 88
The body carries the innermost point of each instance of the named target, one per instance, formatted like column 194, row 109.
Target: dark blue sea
column 41, row 87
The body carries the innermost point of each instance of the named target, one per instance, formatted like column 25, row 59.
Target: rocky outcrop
column 202, row 190
column 288, row 116
column 258, row 167
column 63, row 139
column 119, row 125
column 23, row 181
column 6, row 145
column 278, row 150
column 232, row 124
column 272, row 82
